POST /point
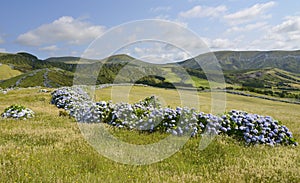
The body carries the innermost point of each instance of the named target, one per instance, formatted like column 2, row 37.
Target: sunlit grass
column 49, row 148
column 7, row 72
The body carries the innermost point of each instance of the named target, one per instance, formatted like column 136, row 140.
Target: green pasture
column 51, row 148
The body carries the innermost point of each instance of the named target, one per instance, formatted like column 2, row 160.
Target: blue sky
column 65, row 27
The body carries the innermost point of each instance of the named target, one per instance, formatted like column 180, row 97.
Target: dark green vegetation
column 51, row 148
column 273, row 73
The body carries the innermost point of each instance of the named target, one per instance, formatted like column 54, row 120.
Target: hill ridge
column 274, row 72
column 244, row 60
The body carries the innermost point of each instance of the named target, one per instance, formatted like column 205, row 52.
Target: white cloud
column 291, row 25
column 65, row 29
column 161, row 9
column 49, row 48
column 219, row 43
column 155, row 52
column 285, row 35
column 163, row 17
column 192, row 1
column 160, row 53
column 180, row 22
column 3, row 50
column 255, row 12
column 75, row 53
column 167, row 17
column 203, row 11
column 248, row 27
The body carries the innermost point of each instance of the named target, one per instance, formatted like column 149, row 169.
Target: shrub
column 148, row 115
column 17, row 112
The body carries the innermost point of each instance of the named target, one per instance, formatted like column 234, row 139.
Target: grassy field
column 7, row 72
column 49, row 148
column 172, row 77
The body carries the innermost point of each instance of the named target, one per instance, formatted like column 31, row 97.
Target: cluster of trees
column 281, row 94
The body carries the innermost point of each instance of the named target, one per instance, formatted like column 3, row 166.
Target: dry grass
column 6, row 72
column 49, row 148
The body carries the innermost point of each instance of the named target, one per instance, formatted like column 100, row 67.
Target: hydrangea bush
column 256, row 129
column 148, row 115
column 17, row 112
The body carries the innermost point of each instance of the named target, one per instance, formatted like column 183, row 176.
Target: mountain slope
column 265, row 78
column 258, row 69
column 40, row 77
column 7, row 72
column 247, row 60
column 24, row 62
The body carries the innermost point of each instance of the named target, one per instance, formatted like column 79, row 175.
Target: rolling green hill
column 267, row 72
column 41, row 77
column 69, row 60
column 229, row 61
column 245, row 60
column 23, row 62
column 122, row 67
column 121, row 58
column 268, row 76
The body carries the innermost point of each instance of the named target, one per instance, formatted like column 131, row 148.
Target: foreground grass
column 49, row 148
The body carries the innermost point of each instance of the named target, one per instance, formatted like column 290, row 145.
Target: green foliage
column 17, row 112
column 59, row 78
column 15, row 107
column 155, row 81
column 253, row 84
column 33, row 79
column 9, row 83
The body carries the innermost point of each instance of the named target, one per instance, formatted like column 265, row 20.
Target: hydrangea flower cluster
column 17, row 112
column 256, row 129
column 179, row 121
column 77, row 103
column 67, row 97
column 148, row 115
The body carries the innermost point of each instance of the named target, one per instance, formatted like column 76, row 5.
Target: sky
column 68, row 27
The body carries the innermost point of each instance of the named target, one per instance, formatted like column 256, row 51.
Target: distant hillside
column 121, row 58
column 40, row 77
column 229, row 61
column 69, row 60
column 249, row 60
column 59, row 71
column 7, row 72
column 265, row 78
column 24, row 62
column 273, row 72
